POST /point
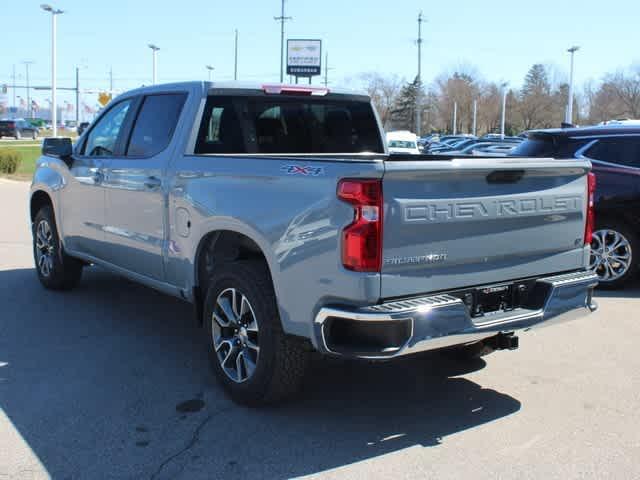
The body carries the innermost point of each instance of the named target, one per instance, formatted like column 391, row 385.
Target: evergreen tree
column 536, row 81
column 403, row 115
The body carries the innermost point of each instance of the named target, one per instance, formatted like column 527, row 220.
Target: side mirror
column 59, row 147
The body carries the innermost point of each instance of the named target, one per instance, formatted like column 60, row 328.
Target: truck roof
column 233, row 85
column 595, row 130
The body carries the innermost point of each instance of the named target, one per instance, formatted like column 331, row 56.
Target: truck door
column 83, row 202
column 135, row 230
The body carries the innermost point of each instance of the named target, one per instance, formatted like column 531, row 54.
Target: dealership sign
column 303, row 57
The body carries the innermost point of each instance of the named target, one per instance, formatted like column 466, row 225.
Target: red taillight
column 362, row 239
column 591, row 214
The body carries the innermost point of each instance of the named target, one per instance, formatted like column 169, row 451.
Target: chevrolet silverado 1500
column 278, row 212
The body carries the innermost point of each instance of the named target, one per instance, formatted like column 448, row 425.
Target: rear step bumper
column 414, row 325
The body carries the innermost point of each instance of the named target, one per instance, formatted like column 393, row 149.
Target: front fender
column 48, row 179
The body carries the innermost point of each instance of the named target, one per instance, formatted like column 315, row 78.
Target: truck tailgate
column 476, row 221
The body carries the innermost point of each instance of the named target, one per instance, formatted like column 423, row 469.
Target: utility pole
column 569, row 111
column 419, row 91
column 235, row 61
column 326, row 69
column 77, row 96
column 282, row 19
column 29, row 110
column 475, row 116
column 13, row 77
column 455, row 117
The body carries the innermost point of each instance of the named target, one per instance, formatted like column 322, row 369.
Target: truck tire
column 252, row 357
column 615, row 254
column 56, row 270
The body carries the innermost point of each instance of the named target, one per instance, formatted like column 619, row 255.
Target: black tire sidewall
column 632, row 237
column 66, row 271
column 252, row 280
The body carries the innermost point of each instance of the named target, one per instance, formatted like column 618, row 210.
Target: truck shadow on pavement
column 111, row 380
column 630, row 291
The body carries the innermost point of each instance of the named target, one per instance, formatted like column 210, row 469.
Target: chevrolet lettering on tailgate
column 451, row 211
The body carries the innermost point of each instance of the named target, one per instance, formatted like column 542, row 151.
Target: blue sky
column 500, row 39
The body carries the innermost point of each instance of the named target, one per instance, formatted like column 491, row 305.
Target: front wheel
column 613, row 250
column 56, row 270
column 253, row 358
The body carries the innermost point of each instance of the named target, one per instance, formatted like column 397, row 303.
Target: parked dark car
column 17, row 129
column 615, row 154
column 82, row 127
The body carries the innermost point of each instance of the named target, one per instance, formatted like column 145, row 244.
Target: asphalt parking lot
column 110, row 381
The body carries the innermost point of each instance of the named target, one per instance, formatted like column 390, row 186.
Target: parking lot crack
column 190, row 443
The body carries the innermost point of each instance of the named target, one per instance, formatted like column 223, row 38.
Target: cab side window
column 155, row 124
column 102, row 139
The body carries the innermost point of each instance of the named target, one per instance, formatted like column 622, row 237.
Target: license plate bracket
column 493, row 299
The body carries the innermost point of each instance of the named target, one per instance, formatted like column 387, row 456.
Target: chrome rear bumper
column 437, row 321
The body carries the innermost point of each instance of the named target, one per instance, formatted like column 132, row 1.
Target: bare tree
column 458, row 88
column 625, row 87
column 384, row 91
column 540, row 103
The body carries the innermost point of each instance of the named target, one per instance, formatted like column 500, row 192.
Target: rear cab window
column 277, row 124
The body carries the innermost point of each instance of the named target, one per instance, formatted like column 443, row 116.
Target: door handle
column 152, row 182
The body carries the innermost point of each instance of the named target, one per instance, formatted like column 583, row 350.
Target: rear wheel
column 56, row 270
column 613, row 250
column 254, row 360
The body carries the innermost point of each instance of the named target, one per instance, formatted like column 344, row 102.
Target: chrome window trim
column 609, row 135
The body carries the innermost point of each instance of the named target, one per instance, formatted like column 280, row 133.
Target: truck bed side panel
column 288, row 206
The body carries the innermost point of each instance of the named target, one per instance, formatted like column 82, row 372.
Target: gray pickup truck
column 278, row 212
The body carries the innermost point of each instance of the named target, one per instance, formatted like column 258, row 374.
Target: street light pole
column 54, row 114
column 475, row 116
column 211, row 69
column 455, row 117
column 504, row 108
column 235, row 58
column 569, row 111
column 154, row 49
